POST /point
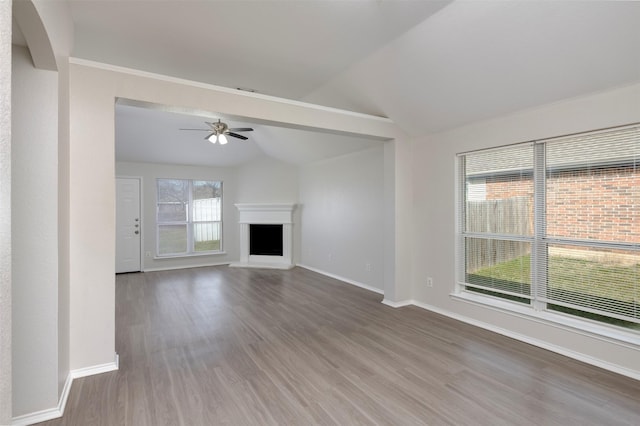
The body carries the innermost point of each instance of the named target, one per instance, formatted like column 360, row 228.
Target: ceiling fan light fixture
column 218, row 131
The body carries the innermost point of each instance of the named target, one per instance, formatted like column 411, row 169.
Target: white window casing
column 555, row 226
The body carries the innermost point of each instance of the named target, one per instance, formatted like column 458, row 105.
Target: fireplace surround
column 266, row 214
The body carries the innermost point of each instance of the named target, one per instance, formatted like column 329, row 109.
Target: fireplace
column 266, row 235
column 265, row 240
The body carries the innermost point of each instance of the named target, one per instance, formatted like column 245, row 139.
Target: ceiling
column 282, row 48
column 427, row 65
column 475, row 60
column 151, row 133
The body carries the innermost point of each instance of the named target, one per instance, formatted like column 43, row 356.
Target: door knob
column 137, row 232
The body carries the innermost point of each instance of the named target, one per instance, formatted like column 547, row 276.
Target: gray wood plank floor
column 215, row 346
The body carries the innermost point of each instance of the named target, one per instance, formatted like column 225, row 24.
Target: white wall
column 342, row 216
column 264, row 180
column 57, row 21
column 5, row 212
column 390, row 226
column 434, row 212
column 93, row 91
column 267, row 180
column 149, row 173
column 63, row 223
column 35, row 219
column 49, row 32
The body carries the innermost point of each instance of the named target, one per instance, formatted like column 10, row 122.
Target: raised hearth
column 263, row 249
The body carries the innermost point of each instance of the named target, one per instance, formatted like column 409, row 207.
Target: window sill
column 177, row 256
column 584, row 327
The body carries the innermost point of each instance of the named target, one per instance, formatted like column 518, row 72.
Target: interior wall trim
column 58, row 411
column 199, row 265
column 399, row 304
column 96, row 369
column 526, row 339
column 39, row 416
column 208, row 86
column 346, row 280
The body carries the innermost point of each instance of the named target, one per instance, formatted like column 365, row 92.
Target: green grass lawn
column 211, row 245
column 173, row 239
column 584, row 280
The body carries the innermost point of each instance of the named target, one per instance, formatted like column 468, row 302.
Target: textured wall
column 5, row 212
column 342, row 208
column 434, row 224
column 34, row 218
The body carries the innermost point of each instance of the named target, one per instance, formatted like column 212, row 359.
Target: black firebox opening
column 265, row 240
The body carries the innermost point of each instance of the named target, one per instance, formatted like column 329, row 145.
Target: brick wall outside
column 600, row 204
column 502, row 187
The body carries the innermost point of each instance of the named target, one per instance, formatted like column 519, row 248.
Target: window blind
column 556, row 224
column 592, row 222
column 498, row 225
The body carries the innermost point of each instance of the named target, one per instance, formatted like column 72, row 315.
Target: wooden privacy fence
column 510, row 216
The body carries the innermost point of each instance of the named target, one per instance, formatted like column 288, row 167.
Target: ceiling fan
column 218, row 130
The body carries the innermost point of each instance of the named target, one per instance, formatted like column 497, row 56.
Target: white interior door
column 128, row 225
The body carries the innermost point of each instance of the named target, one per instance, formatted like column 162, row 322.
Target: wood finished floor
column 220, row 345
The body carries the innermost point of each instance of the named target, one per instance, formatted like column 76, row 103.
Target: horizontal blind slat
column 587, row 242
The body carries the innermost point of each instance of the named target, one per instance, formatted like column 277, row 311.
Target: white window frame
column 189, row 222
column 537, row 309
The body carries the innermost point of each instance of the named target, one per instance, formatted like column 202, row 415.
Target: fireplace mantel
column 266, row 213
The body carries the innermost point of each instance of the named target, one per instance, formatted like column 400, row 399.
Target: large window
column 555, row 225
column 188, row 217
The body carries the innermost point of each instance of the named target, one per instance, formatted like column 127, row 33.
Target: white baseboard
column 37, row 417
column 523, row 338
column 45, row 415
column 96, row 369
column 57, row 412
column 171, row 268
column 397, row 304
column 281, row 266
column 346, row 280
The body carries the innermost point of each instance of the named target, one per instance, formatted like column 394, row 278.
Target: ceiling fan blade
column 235, row 135
column 202, row 130
column 241, row 129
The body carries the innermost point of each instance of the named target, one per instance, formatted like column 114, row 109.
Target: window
column 556, row 225
column 188, row 217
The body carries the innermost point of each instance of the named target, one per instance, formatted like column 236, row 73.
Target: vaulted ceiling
column 281, row 48
column 148, row 133
column 427, row 65
column 474, row 60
